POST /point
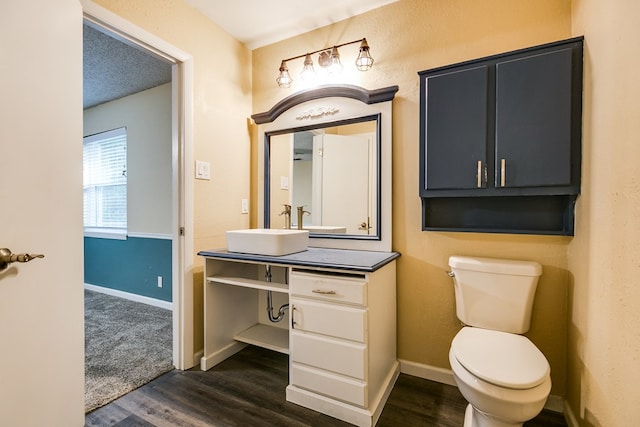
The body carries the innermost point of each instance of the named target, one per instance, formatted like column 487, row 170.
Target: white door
column 345, row 182
column 41, row 303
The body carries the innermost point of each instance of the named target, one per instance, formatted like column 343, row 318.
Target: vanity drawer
column 328, row 384
column 329, row 287
column 329, row 319
column 342, row 357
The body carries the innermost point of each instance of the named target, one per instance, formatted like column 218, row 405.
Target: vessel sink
column 325, row 229
column 267, row 241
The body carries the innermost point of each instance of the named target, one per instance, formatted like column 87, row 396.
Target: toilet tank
column 495, row 294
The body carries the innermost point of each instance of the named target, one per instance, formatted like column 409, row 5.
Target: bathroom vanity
column 332, row 307
column 339, row 329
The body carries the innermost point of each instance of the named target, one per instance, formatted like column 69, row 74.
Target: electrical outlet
column 159, row 281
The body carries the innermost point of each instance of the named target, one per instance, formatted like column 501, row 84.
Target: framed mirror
column 326, row 153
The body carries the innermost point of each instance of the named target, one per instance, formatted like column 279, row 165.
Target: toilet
column 503, row 375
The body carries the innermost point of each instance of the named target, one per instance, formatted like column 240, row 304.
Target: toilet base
column 475, row 418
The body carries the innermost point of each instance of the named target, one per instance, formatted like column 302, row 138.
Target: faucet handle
column 287, row 210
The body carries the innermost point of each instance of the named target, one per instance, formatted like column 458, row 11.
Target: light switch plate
column 284, row 182
column 203, row 170
column 244, row 206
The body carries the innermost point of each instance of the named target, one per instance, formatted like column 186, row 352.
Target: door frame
column 182, row 167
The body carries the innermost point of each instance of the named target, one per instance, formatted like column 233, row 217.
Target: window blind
column 105, row 179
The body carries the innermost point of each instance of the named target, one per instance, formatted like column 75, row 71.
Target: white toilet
column 503, row 375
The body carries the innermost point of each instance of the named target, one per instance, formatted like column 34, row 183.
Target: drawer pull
column 293, row 322
column 323, row 292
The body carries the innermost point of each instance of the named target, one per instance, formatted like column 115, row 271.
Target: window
column 105, row 182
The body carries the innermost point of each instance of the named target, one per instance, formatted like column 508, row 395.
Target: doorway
column 182, row 167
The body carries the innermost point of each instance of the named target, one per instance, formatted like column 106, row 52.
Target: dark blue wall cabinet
column 500, row 142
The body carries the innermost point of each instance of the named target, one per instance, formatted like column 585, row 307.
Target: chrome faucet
column 301, row 213
column 287, row 216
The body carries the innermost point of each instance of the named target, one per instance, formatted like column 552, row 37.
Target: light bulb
column 335, row 65
column 308, row 72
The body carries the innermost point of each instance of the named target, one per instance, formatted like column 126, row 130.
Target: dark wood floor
column 248, row 390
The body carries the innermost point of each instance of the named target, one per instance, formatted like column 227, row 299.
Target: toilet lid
column 500, row 358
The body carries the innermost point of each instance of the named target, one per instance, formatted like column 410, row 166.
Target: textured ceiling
column 113, row 69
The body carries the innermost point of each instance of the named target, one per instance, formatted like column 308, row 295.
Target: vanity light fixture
column 328, row 58
column 284, row 79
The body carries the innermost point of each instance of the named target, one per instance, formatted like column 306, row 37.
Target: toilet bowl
column 503, row 376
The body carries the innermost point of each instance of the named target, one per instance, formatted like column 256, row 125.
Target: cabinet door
column 455, row 130
column 533, row 121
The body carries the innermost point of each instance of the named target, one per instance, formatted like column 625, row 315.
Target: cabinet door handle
column 503, row 172
column 293, row 322
column 323, row 292
column 479, row 174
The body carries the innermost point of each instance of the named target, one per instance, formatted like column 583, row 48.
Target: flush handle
column 451, row 274
column 6, row 258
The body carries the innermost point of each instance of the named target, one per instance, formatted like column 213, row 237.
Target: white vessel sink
column 325, row 229
column 267, row 241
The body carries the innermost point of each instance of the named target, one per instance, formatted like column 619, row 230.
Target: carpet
column 127, row 344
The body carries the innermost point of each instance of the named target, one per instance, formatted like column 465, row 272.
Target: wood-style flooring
column 248, row 390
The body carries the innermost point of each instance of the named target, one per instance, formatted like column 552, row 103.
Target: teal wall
column 132, row 265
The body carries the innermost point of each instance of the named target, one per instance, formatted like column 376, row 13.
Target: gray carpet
column 127, row 344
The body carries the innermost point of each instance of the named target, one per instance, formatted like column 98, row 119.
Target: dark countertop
column 340, row 259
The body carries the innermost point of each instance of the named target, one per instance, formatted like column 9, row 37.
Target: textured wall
column 132, row 265
column 406, row 37
column 221, row 105
column 604, row 327
column 147, row 117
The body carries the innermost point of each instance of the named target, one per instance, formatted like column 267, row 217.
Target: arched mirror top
column 340, row 91
column 328, row 151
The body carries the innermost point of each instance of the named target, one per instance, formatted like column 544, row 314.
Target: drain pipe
column 283, row 308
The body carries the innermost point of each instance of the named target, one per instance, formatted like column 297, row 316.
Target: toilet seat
column 500, row 358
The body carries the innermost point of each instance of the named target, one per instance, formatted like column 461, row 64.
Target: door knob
column 6, row 258
column 364, row 226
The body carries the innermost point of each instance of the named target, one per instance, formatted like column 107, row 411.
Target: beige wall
column 604, row 257
column 592, row 273
column 221, row 105
column 406, row 37
column 280, row 155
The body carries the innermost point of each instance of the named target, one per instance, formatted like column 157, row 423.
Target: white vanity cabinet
column 343, row 342
column 340, row 330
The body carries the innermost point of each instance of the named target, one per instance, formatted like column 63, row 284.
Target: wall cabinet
column 497, row 130
column 340, row 330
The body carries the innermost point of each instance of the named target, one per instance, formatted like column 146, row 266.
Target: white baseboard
column 445, row 376
column 432, row 373
column 210, row 360
column 569, row 416
column 196, row 357
column 133, row 297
